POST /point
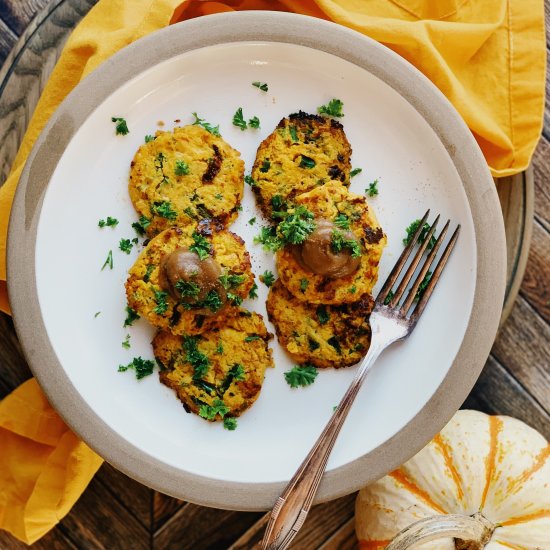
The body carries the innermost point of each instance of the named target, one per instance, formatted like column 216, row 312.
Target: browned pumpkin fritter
column 303, row 152
column 323, row 336
column 219, row 370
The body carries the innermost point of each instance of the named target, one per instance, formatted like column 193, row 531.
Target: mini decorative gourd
column 483, row 482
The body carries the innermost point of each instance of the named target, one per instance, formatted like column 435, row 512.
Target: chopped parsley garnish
column 313, row 344
column 333, row 341
column 125, row 245
column 160, row 300
column 323, row 315
column 333, row 108
column 307, row 162
column 254, row 122
column 109, row 222
column 149, row 138
column 219, row 348
column 238, row 119
column 181, row 168
column 126, row 342
column 230, row 280
column 141, row 225
column 268, row 238
column 342, row 221
column 131, row 316
column 218, row 196
column 211, row 411
column 411, row 230
column 230, row 423
column 248, row 179
column 279, row 207
column 251, row 221
column 253, row 291
column 296, row 227
column 234, row 299
column 354, row 172
column 293, row 134
column 148, row 272
column 267, row 278
column 303, row 284
column 266, row 165
column 142, row 367
column 423, row 285
column 261, row 85
column 121, row 128
column 187, row 289
column 198, row 360
column 252, row 338
column 389, row 297
column 339, row 242
column 201, row 246
column 301, row 376
column 352, row 289
column 213, row 301
column 215, row 130
column 164, row 209
column 108, row 261
column 372, row 189
column 97, row 313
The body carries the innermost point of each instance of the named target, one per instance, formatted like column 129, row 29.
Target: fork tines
column 392, row 300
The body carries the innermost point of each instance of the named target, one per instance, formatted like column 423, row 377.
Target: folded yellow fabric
column 487, row 57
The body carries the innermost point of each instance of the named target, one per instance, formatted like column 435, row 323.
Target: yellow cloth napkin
column 487, row 57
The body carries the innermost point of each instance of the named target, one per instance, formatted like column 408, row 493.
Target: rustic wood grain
column 117, row 512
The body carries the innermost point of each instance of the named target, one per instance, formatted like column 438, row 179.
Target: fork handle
column 291, row 509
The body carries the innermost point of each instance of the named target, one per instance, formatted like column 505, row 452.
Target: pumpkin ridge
column 447, row 456
column 373, row 544
column 525, row 518
column 539, row 462
column 495, row 427
column 401, row 478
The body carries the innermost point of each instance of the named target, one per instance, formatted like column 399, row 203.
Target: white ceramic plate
column 391, row 141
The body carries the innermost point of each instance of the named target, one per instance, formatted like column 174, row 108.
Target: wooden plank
column 14, row 369
column 98, row 521
column 164, row 507
column 498, row 392
column 195, row 527
column 523, row 346
column 7, row 40
column 343, row 539
column 134, row 496
column 541, row 164
column 536, row 284
column 18, row 14
column 54, row 540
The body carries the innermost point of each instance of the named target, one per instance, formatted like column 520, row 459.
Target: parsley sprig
column 354, row 172
column 372, row 190
column 200, row 246
column 142, row 367
column 333, row 108
column 161, row 303
column 303, row 375
column 198, row 360
column 411, row 230
column 267, row 278
column 131, row 316
column 164, row 209
column 297, row 226
column 214, row 130
column 141, row 225
column 108, row 222
column 339, row 242
column 261, row 86
column 121, row 127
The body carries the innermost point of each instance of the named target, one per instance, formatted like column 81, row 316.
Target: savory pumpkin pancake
column 218, row 373
column 184, row 176
column 338, row 246
column 303, row 152
column 189, row 279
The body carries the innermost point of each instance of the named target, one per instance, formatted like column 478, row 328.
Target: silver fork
column 389, row 322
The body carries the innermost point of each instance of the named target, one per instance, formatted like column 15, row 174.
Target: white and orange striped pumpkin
column 494, row 468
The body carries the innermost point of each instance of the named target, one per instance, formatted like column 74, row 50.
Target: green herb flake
column 423, row 285
column 266, row 165
column 148, row 270
column 296, row 227
column 164, row 209
column 211, row 411
column 332, row 108
column 250, row 181
column 293, row 134
column 252, row 338
column 219, row 348
column 254, row 122
column 304, row 283
column 181, row 168
column 215, row 130
column 97, row 313
column 261, row 85
column 126, row 342
column 238, row 119
column 201, row 246
column 125, row 245
column 231, row 280
column 160, row 300
column 187, row 289
column 267, row 278
column 131, row 317
column 352, row 289
column 342, row 221
column 339, row 242
column 121, row 128
column 411, row 230
column 198, row 360
column 372, row 190
column 354, row 172
column 141, row 225
column 149, row 138
column 212, row 301
column 234, row 299
column 268, row 239
column 253, row 291
column 109, row 222
column 389, row 297
column 322, row 315
column 142, row 367
column 303, row 375
column 230, row 423
column 108, row 261
column 307, row 162
column 252, row 221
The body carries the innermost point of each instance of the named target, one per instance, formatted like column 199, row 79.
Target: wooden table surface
column 117, row 512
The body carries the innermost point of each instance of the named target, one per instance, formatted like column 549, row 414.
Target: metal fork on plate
column 390, row 321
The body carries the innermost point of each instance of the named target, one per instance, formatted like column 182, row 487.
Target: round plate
column 403, row 132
